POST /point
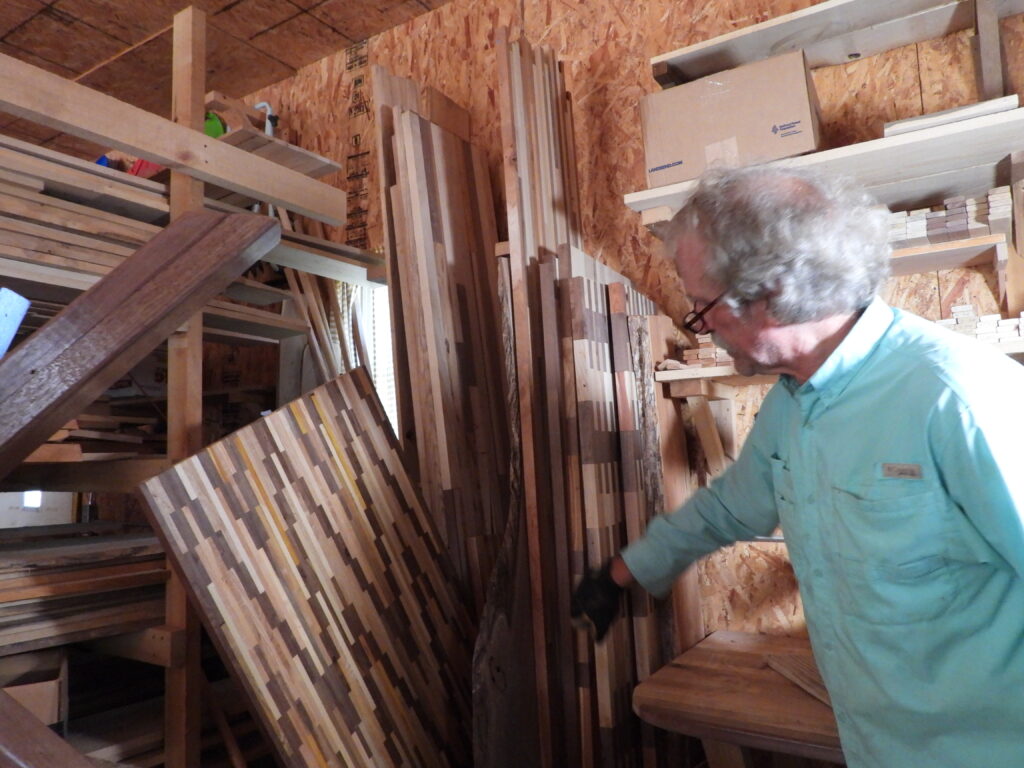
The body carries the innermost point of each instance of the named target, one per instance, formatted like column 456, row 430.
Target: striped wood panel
column 320, row 575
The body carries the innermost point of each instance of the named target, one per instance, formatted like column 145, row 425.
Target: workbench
column 723, row 691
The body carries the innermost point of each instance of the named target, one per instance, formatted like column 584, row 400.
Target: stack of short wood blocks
column 957, row 218
column 992, row 328
column 705, row 354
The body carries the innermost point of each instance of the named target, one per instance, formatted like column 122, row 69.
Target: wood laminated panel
column 505, row 730
column 324, row 582
column 64, row 366
column 600, row 460
column 446, row 281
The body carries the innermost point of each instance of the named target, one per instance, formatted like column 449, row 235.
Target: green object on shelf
column 214, row 126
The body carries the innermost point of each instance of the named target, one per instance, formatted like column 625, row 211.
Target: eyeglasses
column 694, row 320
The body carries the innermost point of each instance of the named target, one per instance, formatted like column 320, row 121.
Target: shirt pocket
column 890, row 553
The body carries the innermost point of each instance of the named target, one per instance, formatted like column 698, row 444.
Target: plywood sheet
column 321, row 576
column 947, row 72
column 857, row 99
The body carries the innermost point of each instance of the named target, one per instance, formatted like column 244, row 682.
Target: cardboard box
column 757, row 112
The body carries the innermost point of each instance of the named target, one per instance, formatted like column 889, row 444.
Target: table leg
column 721, row 754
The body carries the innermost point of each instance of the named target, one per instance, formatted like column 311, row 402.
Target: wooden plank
column 669, row 466
column 522, row 249
column 85, row 187
column 86, row 220
column 943, row 117
column 602, row 503
column 324, row 582
column 65, row 365
column 802, row 671
column 830, row 33
column 635, row 506
column 1015, row 259
column 558, row 546
column 933, row 163
column 30, row 744
column 42, row 97
column 957, row 253
column 989, row 56
column 387, row 96
column 119, row 476
column 504, row 705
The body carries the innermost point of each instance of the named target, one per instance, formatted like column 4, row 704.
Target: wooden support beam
column 183, row 679
column 987, row 51
column 163, row 646
column 712, row 390
column 55, row 374
column 707, row 430
column 48, row 99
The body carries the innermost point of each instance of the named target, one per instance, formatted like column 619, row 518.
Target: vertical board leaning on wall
column 606, row 47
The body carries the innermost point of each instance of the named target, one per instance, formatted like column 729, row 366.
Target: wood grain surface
column 322, row 579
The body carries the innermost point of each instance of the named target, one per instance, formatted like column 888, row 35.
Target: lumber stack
column 62, row 368
column 585, row 431
column 443, row 231
column 68, row 583
column 97, row 437
column 322, row 578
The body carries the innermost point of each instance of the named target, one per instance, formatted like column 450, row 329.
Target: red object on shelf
column 144, row 168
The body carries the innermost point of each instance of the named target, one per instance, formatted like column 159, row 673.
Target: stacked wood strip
column 444, row 235
column 95, row 437
column 56, row 373
column 61, row 584
column 585, row 490
column 323, row 580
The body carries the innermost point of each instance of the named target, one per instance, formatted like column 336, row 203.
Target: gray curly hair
column 812, row 245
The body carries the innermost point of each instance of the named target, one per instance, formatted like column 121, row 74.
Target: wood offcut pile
column 68, row 583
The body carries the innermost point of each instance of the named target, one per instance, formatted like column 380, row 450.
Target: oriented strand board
column 606, row 48
column 321, row 577
column 857, row 99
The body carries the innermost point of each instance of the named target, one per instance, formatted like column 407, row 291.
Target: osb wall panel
column 858, row 98
column 606, row 47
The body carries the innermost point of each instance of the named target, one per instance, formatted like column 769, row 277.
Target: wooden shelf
column 972, row 252
column 907, row 171
column 832, row 32
column 723, row 374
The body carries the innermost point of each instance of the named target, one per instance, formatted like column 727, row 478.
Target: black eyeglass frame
column 694, row 320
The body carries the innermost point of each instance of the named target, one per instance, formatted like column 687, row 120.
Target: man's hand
column 595, row 603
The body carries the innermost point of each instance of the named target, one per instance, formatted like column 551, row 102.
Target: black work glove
column 595, row 603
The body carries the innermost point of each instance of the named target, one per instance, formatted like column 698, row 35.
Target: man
column 890, row 452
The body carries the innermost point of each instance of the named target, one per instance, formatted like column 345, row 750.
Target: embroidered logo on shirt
column 912, row 471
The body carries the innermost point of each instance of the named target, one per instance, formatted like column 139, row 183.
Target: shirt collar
column 832, row 377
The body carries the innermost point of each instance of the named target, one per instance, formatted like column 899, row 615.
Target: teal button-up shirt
column 897, row 474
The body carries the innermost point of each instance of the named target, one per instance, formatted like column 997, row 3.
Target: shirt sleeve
column 977, row 449
column 738, row 505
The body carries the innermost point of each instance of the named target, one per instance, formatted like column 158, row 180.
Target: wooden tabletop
column 723, row 689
